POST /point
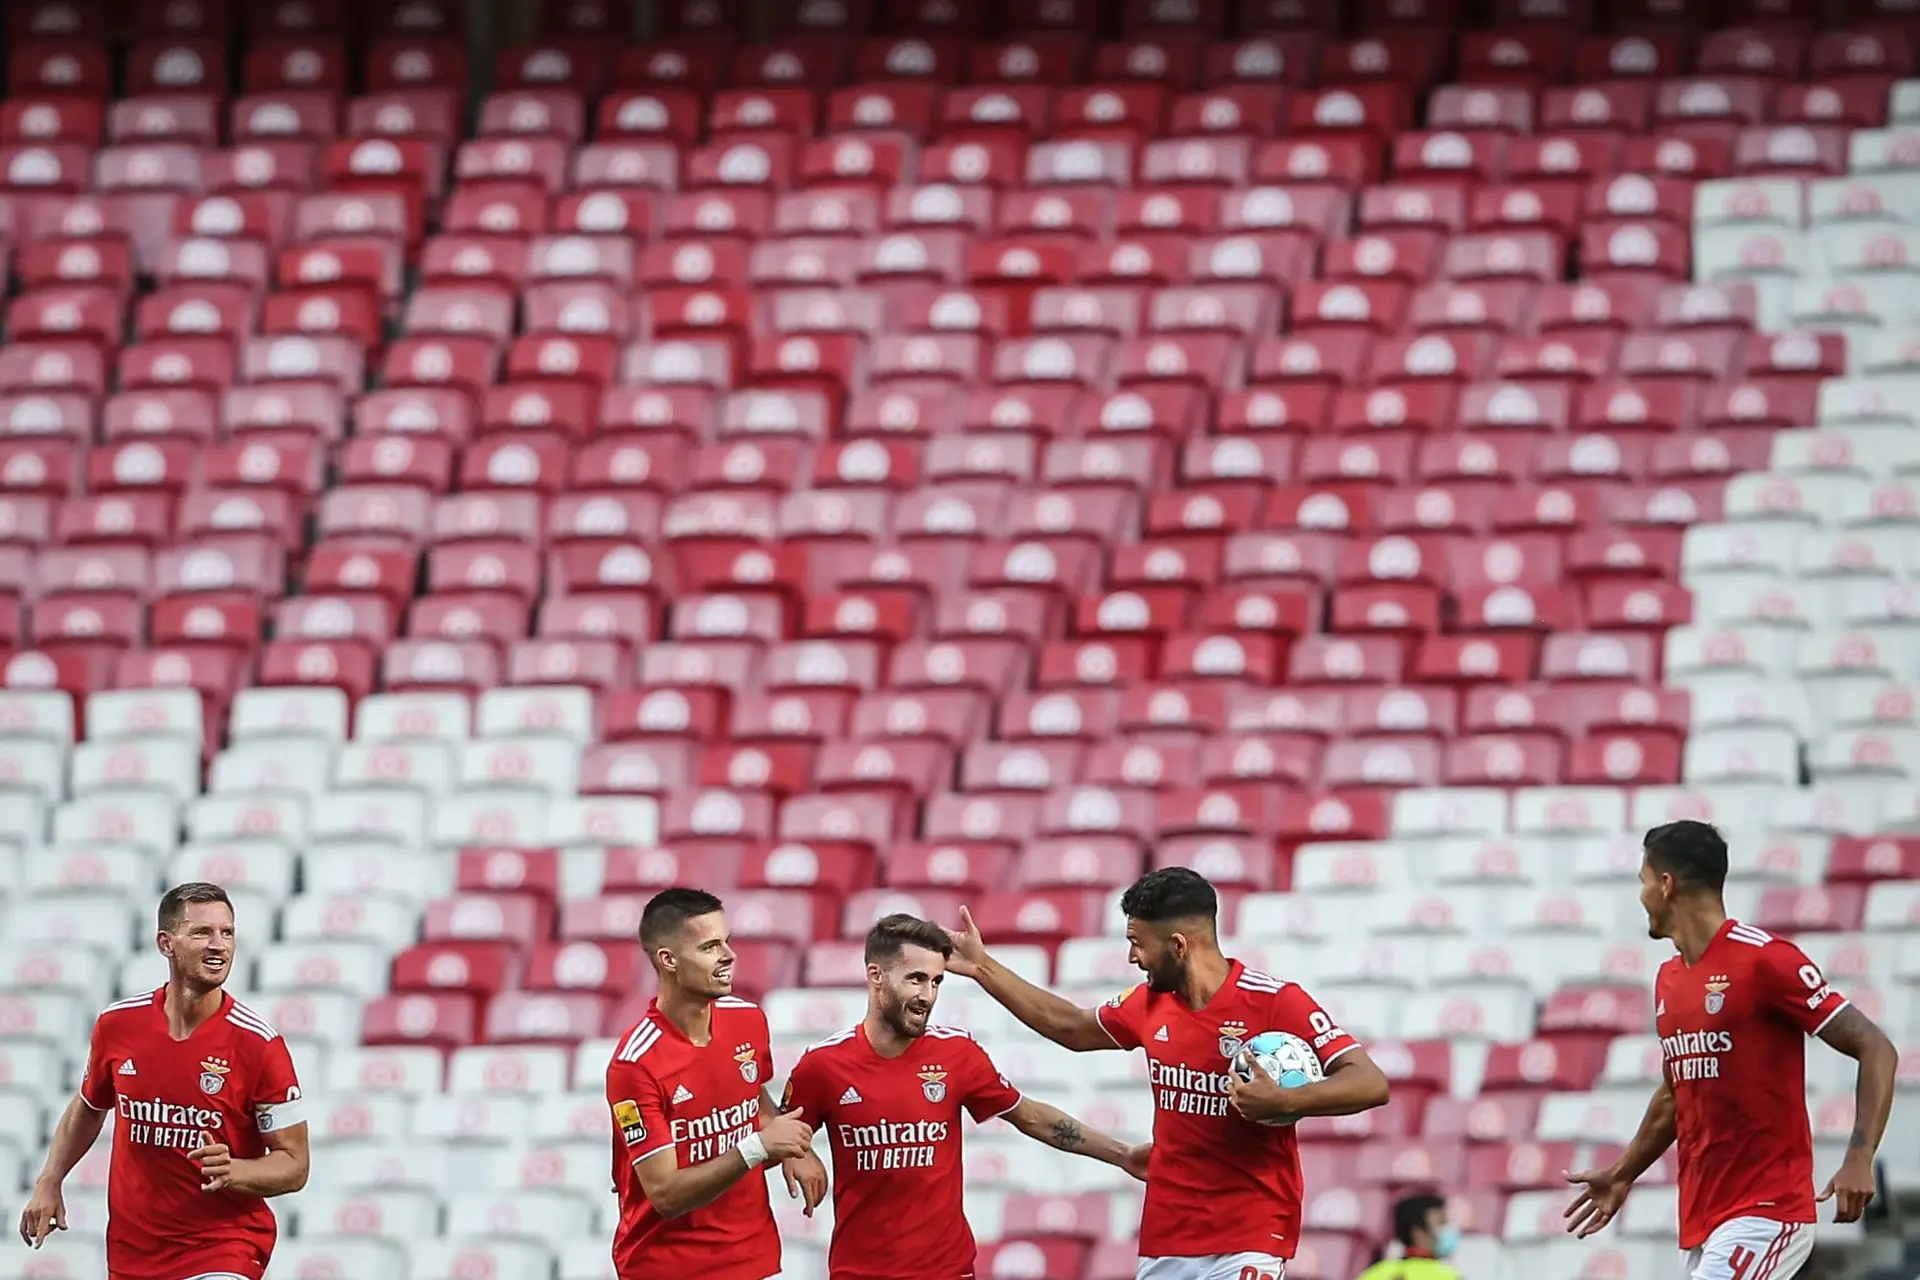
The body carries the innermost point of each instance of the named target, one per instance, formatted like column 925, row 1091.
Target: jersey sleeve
column 276, row 1089
column 1793, row 987
column 1123, row 1016
column 807, row 1087
column 988, row 1093
column 640, row 1124
column 96, row 1087
column 1293, row 1010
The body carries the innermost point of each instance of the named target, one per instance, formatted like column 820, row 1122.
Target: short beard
column 895, row 1016
column 1167, row 980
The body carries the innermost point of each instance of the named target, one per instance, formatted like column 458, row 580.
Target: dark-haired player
column 1733, row 1011
column 207, row 1123
column 1223, row 1190
column 692, row 1117
column 889, row 1093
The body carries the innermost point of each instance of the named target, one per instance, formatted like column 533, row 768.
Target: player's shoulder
column 744, row 1015
column 125, row 1011
column 1259, row 981
column 249, row 1021
column 1752, row 944
column 1259, row 987
column 641, row 1046
column 823, row 1051
column 937, row 1033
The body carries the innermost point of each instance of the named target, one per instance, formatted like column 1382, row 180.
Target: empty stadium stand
column 870, row 456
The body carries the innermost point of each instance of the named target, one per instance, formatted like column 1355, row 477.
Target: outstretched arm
column 1855, row 1034
column 1046, row 1123
column 1605, row 1190
column 1061, row 1021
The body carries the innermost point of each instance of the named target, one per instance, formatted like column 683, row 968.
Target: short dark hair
column 893, row 934
column 173, row 906
column 1171, row 893
column 1410, row 1214
column 1693, row 853
column 668, row 911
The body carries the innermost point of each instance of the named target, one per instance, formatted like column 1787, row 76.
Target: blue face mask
column 1446, row 1241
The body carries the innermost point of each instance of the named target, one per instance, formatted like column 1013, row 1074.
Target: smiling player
column 1733, row 1011
column 207, row 1122
column 692, row 1118
column 889, row 1093
column 1223, row 1188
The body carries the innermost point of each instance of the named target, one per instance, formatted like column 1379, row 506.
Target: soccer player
column 1733, row 1010
column 889, row 1092
column 1223, row 1186
column 692, row 1117
column 207, row 1123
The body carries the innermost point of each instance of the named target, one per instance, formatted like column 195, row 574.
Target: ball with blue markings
column 1289, row 1060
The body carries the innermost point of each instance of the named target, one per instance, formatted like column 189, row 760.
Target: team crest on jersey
column 1233, row 1037
column 1717, row 992
column 749, row 1066
column 213, row 1074
column 933, row 1083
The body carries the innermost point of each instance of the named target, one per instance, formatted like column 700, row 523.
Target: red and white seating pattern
column 1385, row 471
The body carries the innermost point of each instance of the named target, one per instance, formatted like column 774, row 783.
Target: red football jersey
column 1217, row 1183
column 1733, row 1030
column 701, row 1100
column 894, row 1126
column 233, row 1078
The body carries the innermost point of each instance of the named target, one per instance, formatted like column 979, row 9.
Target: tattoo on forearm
column 1066, row 1133
column 1858, row 1142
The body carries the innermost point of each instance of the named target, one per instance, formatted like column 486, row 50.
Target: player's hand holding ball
column 1266, row 1074
column 787, row 1136
column 215, row 1161
column 46, row 1212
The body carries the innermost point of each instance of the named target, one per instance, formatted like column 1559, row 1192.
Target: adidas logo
column 851, row 1096
column 1161, row 1035
column 683, row 1094
column 126, row 1068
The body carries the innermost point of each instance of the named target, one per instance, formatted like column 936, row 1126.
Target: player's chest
column 1703, row 998
column 926, row 1091
column 1188, row 1060
column 717, row 1077
column 203, row 1070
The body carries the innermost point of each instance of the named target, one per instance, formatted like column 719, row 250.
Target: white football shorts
column 1750, row 1249
column 1218, row 1266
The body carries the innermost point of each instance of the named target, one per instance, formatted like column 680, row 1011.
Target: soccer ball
column 1290, row 1060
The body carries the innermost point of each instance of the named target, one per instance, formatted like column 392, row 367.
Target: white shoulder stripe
column 1251, row 981
column 242, row 1016
column 644, row 1037
column 735, row 1002
column 838, row 1037
column 941, row 1032
column 265, row 1033
column 130, row 1002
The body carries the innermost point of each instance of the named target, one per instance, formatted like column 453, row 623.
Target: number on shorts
column 1742, row 1258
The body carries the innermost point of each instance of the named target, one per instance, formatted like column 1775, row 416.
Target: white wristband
column 752, row 1150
